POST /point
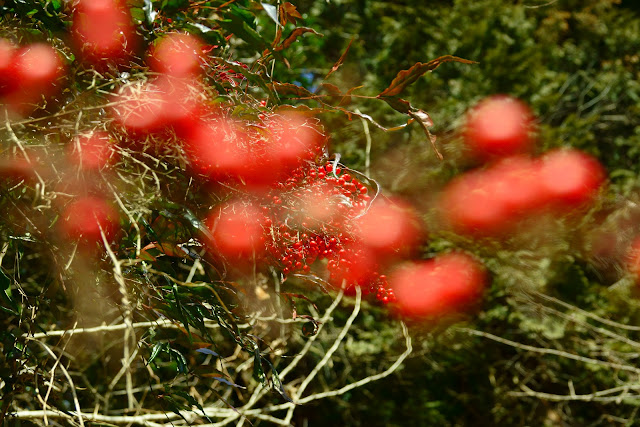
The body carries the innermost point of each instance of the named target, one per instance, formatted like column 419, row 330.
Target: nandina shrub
column 223, row 221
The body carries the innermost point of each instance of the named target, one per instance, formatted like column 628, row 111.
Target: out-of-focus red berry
column 140, row 108
column 388, row 228
column 85, row 217
column 446, row 284
column 180, row 108
column 102, row 31
column 217, row 149
column 177, row 55
column 515, row 185
column 236, row 230
column 7, row 58
column 293, row 139
column 633, row 259
column 34, row 73
column 469, row 206
column 91, row 151
column 499, row 126
column 570, row 178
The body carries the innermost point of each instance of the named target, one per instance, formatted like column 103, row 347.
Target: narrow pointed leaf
column 340, row 61
column 406, row 77
column 294, row 36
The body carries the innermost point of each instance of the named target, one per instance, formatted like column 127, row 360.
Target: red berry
column 177, row 55
column 85, row 217
column 571, row 178
column 91, row 151
column 499, row 126
column 446, row 284
column 102, row 31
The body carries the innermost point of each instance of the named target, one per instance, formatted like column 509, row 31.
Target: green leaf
column 406, row 77
column 180, row 360
column 240, row 28
column 192, row 401
column 258, row 370
column 5, row 293
column 157, row 348
column 181, row 312
column 173, row 5
column 277, row 384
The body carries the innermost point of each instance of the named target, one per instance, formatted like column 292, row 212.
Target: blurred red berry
column 85, row 217
column 91, row 151
column 177, row 55
column 103, row 32
column 571, row 178
column 236, row 230
column 499, row 126
column 446, row 284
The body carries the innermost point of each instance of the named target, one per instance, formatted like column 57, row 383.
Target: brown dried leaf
column 340, row 61
column 289, row 13
column 297, row 32
column 406, row 77
column 332, row 89
column 291, row 89
column 425, row 121
column 346, row 100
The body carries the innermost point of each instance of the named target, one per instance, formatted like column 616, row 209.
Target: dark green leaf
column 161, row 346
column 258, row 371
column 180, row 360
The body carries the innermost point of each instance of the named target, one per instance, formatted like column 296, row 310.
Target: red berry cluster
column 312, row 218
column 308, row 224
